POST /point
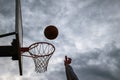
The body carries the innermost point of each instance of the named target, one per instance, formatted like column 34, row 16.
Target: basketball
column 51, row 32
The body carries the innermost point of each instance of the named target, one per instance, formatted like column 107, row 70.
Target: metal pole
column 7, row 34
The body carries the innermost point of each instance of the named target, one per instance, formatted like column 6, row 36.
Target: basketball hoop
column 40, row 52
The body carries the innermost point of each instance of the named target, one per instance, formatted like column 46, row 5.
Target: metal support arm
column 7, row 34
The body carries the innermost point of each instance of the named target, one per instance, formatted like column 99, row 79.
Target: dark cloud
column 98, row 64
column 7, row 14
column 94, row 72
column 57, row 75
column 7, row 8
column 88, row 33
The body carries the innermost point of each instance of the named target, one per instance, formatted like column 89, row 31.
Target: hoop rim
column 36, row 56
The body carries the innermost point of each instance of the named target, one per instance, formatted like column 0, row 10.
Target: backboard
column 16, row 49
column 19, row 33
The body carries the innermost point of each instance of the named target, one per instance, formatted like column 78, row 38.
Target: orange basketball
column 51, row 32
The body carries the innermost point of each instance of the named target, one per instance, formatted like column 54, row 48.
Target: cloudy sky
column 88, row 33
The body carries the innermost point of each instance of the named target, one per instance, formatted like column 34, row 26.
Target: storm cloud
column 88, row 33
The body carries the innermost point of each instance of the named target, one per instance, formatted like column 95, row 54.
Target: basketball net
column 41, row 53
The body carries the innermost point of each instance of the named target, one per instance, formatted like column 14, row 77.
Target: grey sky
column 88, row 33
